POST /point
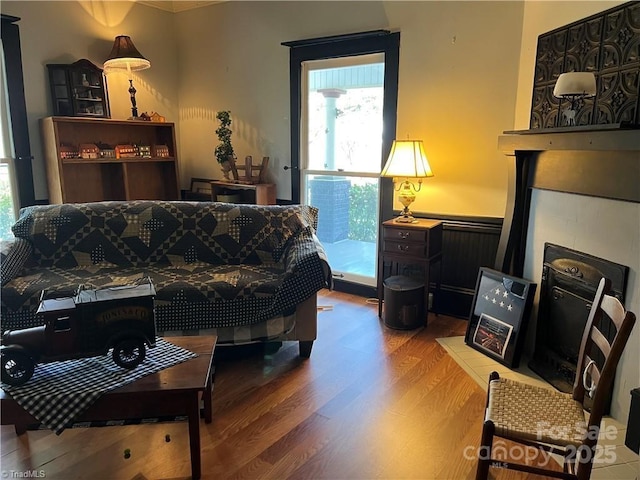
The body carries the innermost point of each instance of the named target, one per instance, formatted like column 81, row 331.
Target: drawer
column 405, row 248
column 405, row 235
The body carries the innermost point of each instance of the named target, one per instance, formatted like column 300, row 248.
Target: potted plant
column 224, row 151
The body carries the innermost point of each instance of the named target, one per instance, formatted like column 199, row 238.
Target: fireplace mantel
column 595, row 162
column 574, row 138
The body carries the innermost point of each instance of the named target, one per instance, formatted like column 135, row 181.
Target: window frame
column 10, row 33
column 377, row 41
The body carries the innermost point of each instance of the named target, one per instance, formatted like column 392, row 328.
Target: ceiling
column 177, row 5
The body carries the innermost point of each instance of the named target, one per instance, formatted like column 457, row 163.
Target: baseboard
column 455, row 302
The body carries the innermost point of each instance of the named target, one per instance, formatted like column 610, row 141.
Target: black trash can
column 632, row 439
column 403, row 303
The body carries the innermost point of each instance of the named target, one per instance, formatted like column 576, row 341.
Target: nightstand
column 410, row 244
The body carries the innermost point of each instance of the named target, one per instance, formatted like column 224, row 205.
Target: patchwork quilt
column 214, row 265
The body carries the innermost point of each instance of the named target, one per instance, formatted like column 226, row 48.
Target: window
column 341, row 143
column 8, row 189
column 16, row 151
column 344, row 92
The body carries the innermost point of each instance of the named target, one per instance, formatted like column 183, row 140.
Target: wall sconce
column 574, row 86
column 125, row 56
column 407, row 160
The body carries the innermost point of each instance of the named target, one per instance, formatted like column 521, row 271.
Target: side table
column 173, row 391
column 257, row 193
column 409, row 244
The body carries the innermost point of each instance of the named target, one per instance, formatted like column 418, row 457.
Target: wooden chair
column 553, row 421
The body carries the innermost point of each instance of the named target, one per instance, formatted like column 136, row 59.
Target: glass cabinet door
column 78, row 89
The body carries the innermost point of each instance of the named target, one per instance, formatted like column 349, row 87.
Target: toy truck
column 88, row 324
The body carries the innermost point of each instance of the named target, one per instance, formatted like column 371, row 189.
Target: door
column 344, row 93
column 341, row 148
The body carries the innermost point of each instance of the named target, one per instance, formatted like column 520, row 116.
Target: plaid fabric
column 157, row 232
column 214, row 265
column 271, row 329
column 60, row 391
column 13, row 256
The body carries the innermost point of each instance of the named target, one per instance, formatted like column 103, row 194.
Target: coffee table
column 172, row 391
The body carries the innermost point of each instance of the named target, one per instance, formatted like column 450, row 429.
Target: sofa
column 246, row 273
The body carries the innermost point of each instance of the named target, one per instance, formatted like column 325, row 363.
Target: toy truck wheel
column 17, row 368
column 129, row 353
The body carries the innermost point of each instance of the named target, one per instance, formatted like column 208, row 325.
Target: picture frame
column 200, row 190
column 500, row 315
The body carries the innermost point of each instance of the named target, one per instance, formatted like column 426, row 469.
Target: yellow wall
column 457, row 85
column 465, row 76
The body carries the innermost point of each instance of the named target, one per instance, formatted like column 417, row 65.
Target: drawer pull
column 403, row 248
column 403, row 235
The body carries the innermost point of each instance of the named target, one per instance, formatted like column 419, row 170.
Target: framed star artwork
column 500, row 314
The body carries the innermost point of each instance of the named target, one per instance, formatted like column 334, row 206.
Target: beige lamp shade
column 407, row 159
column 125, row 56
column 575, row 84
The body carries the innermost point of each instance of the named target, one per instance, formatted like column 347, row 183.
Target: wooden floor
column 370, row 403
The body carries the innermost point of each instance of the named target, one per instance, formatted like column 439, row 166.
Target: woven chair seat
column 521, row 411
column 551, row 420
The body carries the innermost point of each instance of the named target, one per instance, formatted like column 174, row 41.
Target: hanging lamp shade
column 125, row 56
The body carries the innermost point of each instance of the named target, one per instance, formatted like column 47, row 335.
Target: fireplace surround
column 590, row 171
column 600, row 162
column 570, row 279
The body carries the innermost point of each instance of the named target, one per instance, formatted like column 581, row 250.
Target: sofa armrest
column 13, row 257
column 305, row 251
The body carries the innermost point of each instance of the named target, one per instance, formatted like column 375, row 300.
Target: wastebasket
column 403, row 303
column 632, row 439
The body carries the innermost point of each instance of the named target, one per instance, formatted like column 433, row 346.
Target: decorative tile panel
column 607, row 44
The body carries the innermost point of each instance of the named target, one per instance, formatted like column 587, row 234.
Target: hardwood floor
column 371, row 402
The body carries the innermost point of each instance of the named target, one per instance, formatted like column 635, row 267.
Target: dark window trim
column 364, row 43
column 18, row 110
column 335, row 38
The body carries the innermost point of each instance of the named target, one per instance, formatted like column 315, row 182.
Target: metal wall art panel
column 607, row 44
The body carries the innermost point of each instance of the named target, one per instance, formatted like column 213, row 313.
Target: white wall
column 457, row 86
column 608, row 229
column 541, row 17
column 466, row 75
column 603, row 228
column 64, row 32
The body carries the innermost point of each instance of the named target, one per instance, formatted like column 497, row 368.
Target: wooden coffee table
column 172, row 391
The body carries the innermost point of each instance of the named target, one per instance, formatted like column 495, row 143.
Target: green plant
column 6, row 215
column 363, row 201
column 224, row 150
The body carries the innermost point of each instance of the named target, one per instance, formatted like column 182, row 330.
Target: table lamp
column 407, row 160
column 125, row 56
column 574, row 86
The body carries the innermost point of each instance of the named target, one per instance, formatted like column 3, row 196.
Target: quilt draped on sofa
column 213, row 265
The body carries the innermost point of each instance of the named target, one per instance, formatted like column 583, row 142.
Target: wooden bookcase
column 75, row 180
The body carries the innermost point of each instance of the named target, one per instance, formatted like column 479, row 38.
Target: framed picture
column 500, row 315
column 200, row 190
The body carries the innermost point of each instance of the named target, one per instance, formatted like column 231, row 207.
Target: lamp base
column 405, row 219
